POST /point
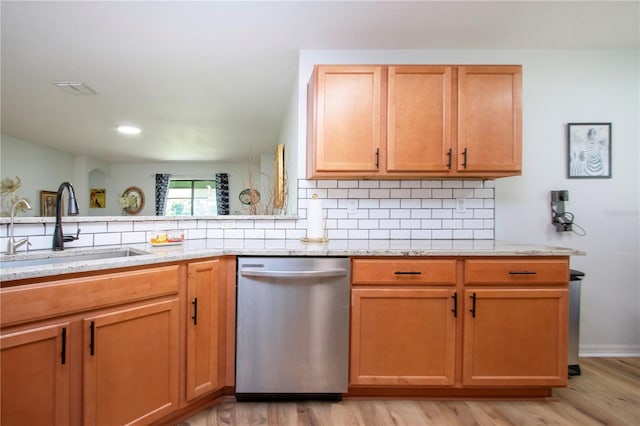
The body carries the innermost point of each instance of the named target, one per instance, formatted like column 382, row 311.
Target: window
column 191, row 197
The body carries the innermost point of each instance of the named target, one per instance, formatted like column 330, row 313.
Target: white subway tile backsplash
column 420, row 213
column 400, row 193
column 389, row 224
column 358, row 193
column 379, row 193
column 410, row 223
column 105, row 239
column 274, row 234
column 442, row 193
column 462, row 234
column 347, row 184
column 432, row 184
column 400, row 234
column 358, row 234
column 386, row 210
column 483, row 234
column 233, row 234
column 400, row 213
column 338, row 193
column 483, row 193
column 390, row 184
column 421, row 234
column 410, row 183
column 421, row 193
column 442, row 213
column 379, row 234
column 483, row 214
column 195, row 234
column 215, row 233
column 390, row 204
column 327, row 184
column 452, row 184
column 133, row 237
column 123, row 226
column 441, row 234
column 379, row 213
column 369, row 184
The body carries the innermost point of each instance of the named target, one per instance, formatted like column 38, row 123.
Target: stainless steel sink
column 69, row 256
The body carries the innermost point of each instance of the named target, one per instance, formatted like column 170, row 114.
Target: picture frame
column 588, row 150
column 48, row 203
column 97, row 198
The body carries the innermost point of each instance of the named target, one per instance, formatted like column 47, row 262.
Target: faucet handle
column 68, row 238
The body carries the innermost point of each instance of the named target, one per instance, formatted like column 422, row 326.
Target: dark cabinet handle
column 63, row 354
column 473, row 305
column 195, row 311
column 92, row 343
column 464, row 156
column 455, row 305
column 449, row 161
column 377, row 158
column 522, row 272
column 408, row 273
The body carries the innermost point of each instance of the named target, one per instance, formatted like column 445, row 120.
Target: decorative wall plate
column 135, row 198
column 246, row 196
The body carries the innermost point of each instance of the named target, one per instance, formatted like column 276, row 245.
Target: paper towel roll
column 315, row 219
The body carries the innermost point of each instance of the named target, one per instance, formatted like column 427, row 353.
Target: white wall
column 39, row 168
column 142, row 175
column 43, row 168
column 559, row 87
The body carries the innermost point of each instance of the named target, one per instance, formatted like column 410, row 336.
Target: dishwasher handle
column 339, row 272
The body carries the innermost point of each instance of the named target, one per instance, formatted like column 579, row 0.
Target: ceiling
column 211, row 80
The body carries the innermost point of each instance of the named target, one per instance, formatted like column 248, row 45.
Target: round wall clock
column 249, row 196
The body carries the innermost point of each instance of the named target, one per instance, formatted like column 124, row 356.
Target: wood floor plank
column 607, row 393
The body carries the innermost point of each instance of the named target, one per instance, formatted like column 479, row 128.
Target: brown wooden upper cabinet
column 409, row 121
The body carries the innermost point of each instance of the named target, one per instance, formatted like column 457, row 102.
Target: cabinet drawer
column 403, row 271
column 60, row 297
column 516, row 271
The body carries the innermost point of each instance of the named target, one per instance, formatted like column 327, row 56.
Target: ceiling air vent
column 75, row 88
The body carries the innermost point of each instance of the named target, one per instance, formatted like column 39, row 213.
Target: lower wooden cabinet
column 205, row 331
column 402, row 336
column 515, row 337
column 466, row 324
column 131, row 365
column 35, row 376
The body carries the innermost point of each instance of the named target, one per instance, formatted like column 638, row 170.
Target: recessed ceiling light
column 129, row 130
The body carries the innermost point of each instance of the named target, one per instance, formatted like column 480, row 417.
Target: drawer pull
column 408, row 273
column 522, row 272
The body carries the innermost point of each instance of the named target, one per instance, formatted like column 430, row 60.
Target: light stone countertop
column 204, row 248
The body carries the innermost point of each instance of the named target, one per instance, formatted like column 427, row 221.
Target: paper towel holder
column 323, row 239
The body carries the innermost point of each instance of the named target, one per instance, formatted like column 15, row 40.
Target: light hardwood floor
column 607, row 393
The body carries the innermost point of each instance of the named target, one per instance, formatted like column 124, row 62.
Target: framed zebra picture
column 589, row 150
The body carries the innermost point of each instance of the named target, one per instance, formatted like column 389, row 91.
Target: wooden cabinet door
column 489, row 119
column 419, row 119
column 345, row 120
column 35, row 377
column 131, row 365
column 402, row 337
column 515, row 337
column 204, row 328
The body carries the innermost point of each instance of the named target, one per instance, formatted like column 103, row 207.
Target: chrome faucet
column 12, row 244
column 58, row 237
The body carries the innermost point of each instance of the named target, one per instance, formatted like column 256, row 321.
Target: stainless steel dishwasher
column 292, row 336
